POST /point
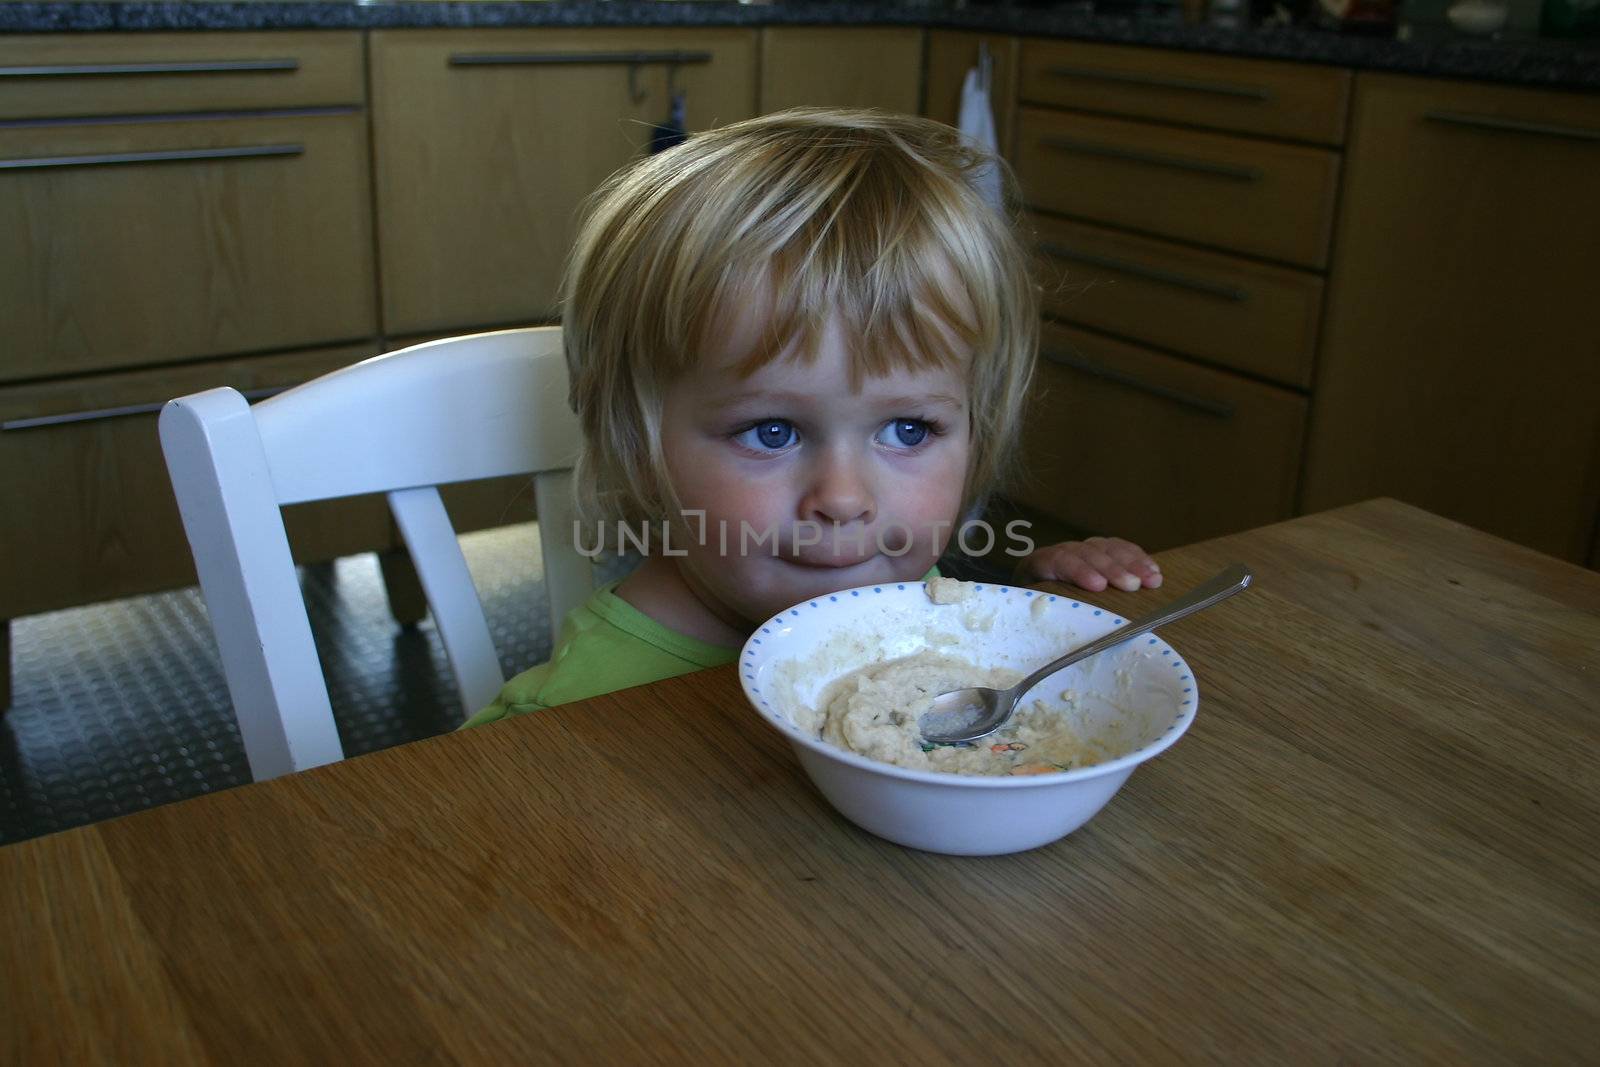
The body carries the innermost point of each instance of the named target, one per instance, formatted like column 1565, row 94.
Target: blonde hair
column 816, row 212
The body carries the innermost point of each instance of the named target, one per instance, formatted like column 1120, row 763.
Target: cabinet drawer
column 1124, row 441
column 1289, row 100
column 1257, row 197
column 151, row 242
column 55, row 75
column 1242, row 314
column 89, row 511
column 488, row 142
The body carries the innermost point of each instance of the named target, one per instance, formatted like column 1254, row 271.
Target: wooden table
column 1377, row 842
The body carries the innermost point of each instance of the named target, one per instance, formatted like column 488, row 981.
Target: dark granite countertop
column 1440, row 53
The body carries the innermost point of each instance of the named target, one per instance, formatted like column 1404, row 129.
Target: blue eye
column 904, row 433
column 769, row 434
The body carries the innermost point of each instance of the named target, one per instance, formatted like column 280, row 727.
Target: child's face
column 851, row 487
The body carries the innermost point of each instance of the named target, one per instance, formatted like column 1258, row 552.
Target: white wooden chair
column 446, row 411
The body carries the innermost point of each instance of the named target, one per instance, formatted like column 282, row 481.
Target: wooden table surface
column 1377, row 842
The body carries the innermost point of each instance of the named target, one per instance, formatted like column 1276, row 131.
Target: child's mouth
column 827, row 562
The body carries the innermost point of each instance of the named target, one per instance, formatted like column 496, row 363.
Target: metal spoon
column 968, row 714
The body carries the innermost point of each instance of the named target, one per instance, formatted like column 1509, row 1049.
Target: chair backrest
column 401, row 424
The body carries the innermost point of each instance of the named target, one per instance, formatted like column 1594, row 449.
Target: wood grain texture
column 481, row 170
column 826, row 66
column 1374, row 844
column 136, row 264
column 1460, row 364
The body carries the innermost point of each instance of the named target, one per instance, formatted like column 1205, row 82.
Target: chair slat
column 452, row 598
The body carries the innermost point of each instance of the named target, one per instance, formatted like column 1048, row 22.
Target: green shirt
column 606, row 644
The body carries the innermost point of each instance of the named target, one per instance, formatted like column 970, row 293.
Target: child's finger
column 1081, row 572
column 1064, row 562
column 1133, row 560
column 1097, row 555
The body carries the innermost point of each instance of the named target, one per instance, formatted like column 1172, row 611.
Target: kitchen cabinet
column 138, row 236
column 1181, row 210
column 179, row 211
column 838, row 67
column 1123, row 439
column 487, row 142
column 1460, row 359
column 950, row 55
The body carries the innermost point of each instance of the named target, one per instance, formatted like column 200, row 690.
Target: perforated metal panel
column 122, row 706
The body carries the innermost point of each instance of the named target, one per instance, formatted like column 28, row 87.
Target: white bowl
column 1139, row 698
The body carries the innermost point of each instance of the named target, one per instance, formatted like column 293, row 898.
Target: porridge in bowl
column 873, row 710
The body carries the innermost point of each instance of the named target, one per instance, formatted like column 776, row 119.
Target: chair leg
column 407, row 602
column 5, row 666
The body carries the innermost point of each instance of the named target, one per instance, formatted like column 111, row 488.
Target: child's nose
column 839, row 492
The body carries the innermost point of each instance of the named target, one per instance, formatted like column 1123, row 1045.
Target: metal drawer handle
column 1200, row 403
column 202, row 66
column 538, row 59
column 1152, row 81
column 117, row 413
column 1489, row 122
column 1154, row 159
column 177, row 155
column 1139, row 270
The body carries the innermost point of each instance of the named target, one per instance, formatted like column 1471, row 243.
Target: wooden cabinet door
column 950, row 55
column 487, row 142
column 808, row 66
column 89, row 513
column 1460, row 361
column 1125, row 441
column 138, row 242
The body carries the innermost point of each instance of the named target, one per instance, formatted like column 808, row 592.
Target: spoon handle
column 1202, row 596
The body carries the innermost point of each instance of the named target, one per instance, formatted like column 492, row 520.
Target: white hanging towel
column 976, row 123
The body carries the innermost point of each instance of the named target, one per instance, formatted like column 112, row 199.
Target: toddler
column 799, row 349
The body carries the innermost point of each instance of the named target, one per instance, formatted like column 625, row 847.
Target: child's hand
column 1093, row 565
